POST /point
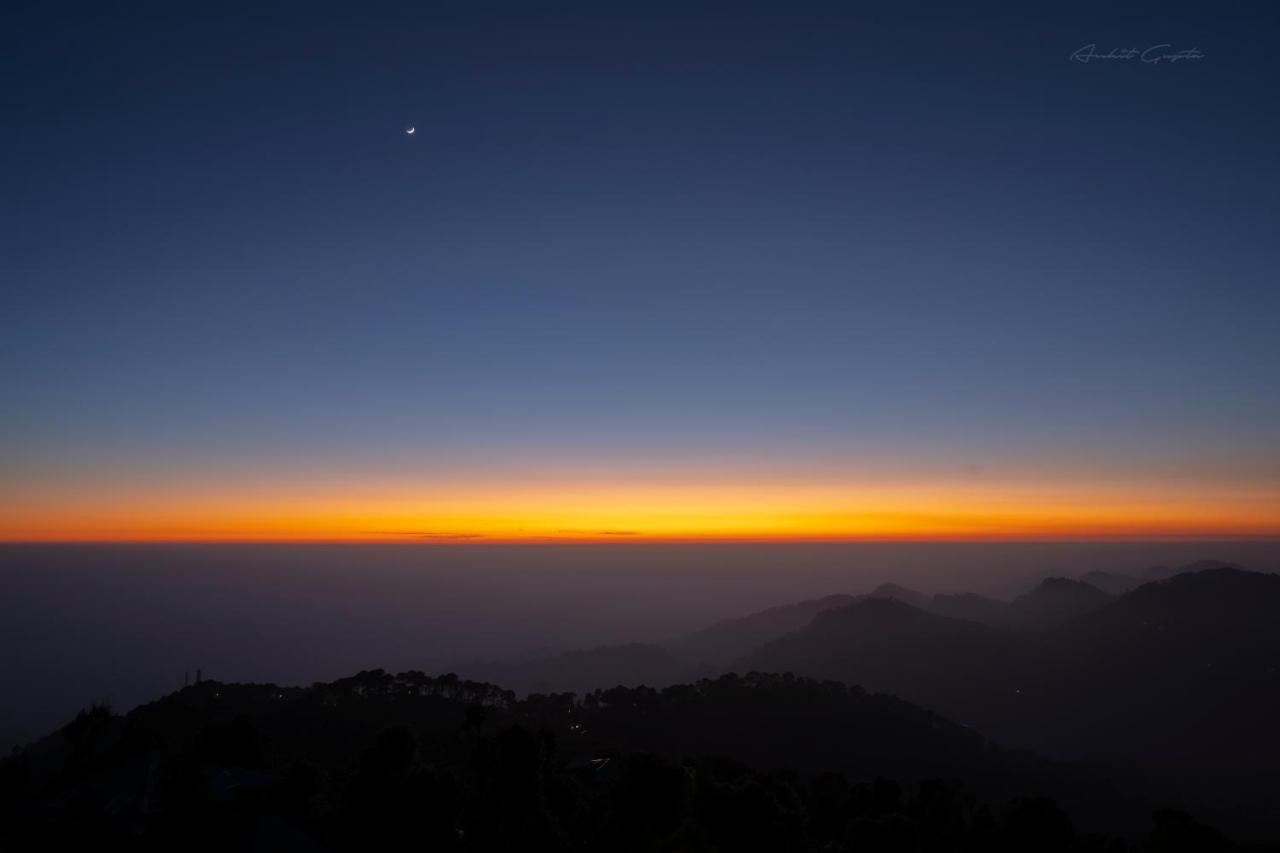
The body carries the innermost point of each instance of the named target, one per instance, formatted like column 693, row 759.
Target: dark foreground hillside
column 408, row 762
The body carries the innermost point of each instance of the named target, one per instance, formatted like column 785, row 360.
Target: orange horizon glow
column 645, row 513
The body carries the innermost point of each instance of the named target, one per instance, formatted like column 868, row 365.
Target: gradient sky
column 648, row 270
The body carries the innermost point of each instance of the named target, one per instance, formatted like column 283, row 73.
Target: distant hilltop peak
column 1057, row 600
column 1061, row 587
column 897, row 592
column 1061, row 583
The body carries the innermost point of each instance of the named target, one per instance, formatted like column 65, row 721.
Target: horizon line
column 463, row 540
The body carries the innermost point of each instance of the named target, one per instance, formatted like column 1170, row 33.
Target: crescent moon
column 411, row 130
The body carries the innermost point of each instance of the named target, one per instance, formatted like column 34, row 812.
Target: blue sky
column 774, row 234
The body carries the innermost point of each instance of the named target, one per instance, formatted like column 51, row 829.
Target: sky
column 642, row 271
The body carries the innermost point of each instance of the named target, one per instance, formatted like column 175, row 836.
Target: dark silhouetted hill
column 400, row 762
column 1186, row 669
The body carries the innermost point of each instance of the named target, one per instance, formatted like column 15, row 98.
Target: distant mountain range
column 1164, row 695
column 1186, row 669
column 1118, row 584
column 1068, row 668
column 1052, row 602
